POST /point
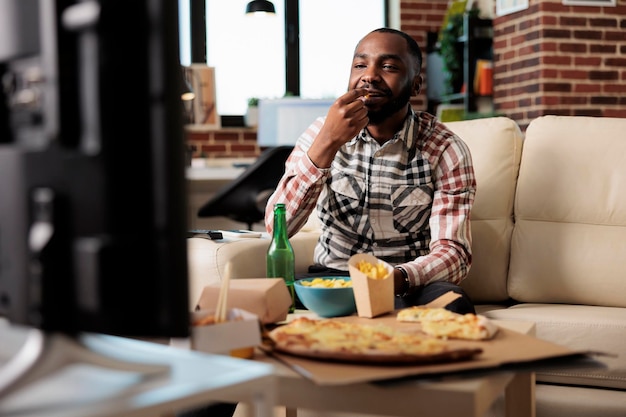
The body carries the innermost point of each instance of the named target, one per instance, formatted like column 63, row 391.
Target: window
column 329, row 31
column 185, row 34
column 250, row 54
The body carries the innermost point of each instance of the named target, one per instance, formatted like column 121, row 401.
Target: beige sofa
column 549, row 242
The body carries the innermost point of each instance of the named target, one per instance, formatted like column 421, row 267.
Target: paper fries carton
column 237, row 336
column 373, row 296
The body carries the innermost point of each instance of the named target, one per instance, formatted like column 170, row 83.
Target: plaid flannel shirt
column 406, row 202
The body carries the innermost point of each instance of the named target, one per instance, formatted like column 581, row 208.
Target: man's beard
column 378, row 116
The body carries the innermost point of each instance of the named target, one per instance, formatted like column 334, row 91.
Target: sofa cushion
column 586, row 328
column 496, row 147
column 569, row 241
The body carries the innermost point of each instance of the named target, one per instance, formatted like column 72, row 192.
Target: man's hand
column 345, row 118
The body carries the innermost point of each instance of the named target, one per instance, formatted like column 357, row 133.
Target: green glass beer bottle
column 280, row 257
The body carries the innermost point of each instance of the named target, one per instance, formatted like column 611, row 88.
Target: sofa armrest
column 208, row 258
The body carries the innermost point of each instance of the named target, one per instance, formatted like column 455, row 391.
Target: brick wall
column 548, row 59
column 223, row 143
column 562, row 60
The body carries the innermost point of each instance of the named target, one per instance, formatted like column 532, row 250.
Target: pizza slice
column 447, row 324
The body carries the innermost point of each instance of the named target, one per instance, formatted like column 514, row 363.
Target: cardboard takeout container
column 373, row 297
column 268, row 298
column 237, row 336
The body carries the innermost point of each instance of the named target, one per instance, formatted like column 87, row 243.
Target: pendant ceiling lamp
column 260, row 6
column 187, row 93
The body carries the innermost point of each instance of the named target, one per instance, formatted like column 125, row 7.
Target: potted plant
column 251, row 117
column 451, row 54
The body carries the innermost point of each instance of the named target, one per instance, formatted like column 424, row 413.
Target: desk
column 204, row 180
column 434, row 397
column 194, row 380
column 202, row 183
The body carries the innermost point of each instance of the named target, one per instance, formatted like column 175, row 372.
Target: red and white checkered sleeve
column 300, row 186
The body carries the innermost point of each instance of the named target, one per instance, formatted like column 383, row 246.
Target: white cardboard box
column 268, row 298
column 241, row 330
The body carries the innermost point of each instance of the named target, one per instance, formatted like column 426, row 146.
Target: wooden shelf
column 474, row 44
column 479, row 45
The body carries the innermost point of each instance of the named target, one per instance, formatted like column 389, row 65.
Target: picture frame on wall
column 504, row 7
column 201, row 77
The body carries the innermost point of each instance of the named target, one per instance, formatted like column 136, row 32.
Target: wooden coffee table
column 436, row 397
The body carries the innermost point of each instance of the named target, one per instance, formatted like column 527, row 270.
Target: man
column 384, row 179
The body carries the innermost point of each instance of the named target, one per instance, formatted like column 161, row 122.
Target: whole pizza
column 346, row 341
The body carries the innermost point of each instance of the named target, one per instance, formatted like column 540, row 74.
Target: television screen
column 282, row 121
column 92, row 162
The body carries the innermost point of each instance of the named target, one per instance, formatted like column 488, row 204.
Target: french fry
column 204, row 321
column 378, row 271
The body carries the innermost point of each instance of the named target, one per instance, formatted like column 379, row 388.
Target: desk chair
column 244, row 199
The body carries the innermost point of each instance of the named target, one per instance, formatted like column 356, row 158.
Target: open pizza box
column 373, row 296
column 237, row 336
column 507, row 350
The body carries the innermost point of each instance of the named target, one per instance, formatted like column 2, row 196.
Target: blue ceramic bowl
column 326, row 302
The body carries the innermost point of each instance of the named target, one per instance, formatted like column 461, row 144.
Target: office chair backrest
column 244, row 199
